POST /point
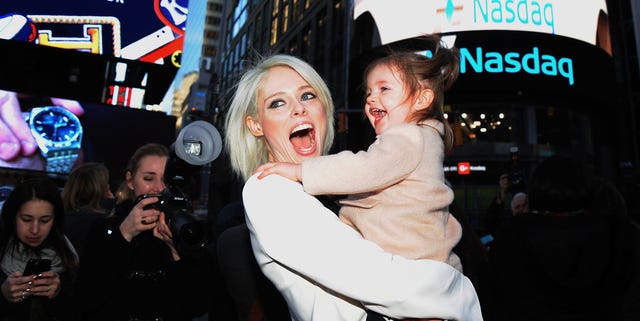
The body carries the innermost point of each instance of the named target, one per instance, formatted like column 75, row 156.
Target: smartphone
column 37, row 266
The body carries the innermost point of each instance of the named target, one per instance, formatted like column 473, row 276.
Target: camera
column 197, row 144
column 189, row 231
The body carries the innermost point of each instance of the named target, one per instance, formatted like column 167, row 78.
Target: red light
column 464, row 168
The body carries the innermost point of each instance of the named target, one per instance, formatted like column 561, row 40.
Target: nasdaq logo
column 523, row 12
column 532, row 63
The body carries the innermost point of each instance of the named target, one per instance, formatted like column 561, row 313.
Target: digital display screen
column 584, row 20
column 125, row 53
column 69, row 66
column 508, row 48
column 505, row 62
column 56, row 135
column 150, row 31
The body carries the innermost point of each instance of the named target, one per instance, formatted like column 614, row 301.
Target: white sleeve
column 294, row 229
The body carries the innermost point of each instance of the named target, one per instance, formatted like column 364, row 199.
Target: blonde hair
column 247, row 152
column 86, row 187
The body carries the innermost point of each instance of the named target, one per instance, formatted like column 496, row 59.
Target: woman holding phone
column 38, row 263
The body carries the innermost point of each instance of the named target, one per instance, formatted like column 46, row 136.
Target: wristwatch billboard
column 58, row 133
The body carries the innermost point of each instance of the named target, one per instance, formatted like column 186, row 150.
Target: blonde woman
column 282, row 111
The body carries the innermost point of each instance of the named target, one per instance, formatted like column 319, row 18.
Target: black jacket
column 138, row 280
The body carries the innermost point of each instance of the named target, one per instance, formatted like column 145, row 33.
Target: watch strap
column 61, row 161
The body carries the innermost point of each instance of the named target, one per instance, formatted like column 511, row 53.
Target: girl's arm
column 391, row 158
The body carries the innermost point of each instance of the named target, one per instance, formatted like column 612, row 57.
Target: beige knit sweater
column 397, row 196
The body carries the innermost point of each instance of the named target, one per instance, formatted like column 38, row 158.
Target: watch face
column 5, row 190
column 56, row 125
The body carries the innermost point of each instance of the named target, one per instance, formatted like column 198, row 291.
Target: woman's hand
column 163, row 232
column 46, row 284
column 15, row 287
column 291, row 171
column 139, row 219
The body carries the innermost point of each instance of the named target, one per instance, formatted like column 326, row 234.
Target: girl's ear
column 424, row 99
column 254, row 126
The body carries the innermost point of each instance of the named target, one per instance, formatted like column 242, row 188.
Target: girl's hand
column 46, row 284
column 16, row 288
column 163, row 232
column 139, row 219
column 291, row 171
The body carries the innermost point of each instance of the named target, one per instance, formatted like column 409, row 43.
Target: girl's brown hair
column 436, row 69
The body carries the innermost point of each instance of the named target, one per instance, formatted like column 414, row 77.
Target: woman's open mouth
column 302, row 138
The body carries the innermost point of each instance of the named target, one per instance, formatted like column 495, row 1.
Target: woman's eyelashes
column 308, row 96
column 281, row 102
column 276, row 103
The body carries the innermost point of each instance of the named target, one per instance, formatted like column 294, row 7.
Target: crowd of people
column 573, row 254
column 368, row 236
column 107, row 261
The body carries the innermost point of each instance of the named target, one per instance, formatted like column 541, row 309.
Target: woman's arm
column 295, row 230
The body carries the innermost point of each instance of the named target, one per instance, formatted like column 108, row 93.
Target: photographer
column 131, row 268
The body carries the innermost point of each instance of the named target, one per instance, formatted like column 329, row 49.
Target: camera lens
column 193, row 234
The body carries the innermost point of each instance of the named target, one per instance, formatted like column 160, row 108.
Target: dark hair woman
column 31, row 227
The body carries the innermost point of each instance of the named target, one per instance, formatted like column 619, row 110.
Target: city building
column 201, row 90
column 212, row 28
column 312, row 29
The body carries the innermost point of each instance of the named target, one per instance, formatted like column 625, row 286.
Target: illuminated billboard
column 92, row 54
column 522, row 48
column 137, row 45
column 584, row 20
